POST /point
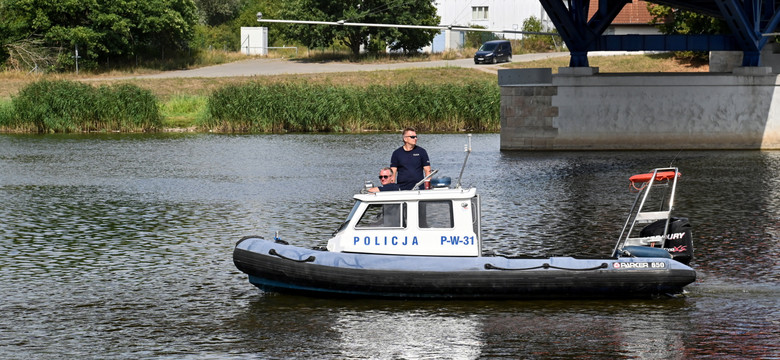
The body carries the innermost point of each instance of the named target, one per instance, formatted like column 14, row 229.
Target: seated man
column 387, row 180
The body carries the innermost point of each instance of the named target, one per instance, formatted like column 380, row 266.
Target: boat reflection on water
column 382, row 329
column 412, row 334
column 574, row 328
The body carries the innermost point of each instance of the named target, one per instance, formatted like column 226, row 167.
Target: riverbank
column 183, row 100
column 65, row 106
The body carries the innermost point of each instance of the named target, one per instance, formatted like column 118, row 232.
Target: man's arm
column 425, row 160
column 395, row 173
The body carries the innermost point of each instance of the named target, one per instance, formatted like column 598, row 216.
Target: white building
column 491, row 14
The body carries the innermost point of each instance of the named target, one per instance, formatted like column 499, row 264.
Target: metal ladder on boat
column 646, row 186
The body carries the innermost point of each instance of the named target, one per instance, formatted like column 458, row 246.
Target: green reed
column 182, row 110
column 299, row 107
column 6, row 114
column 68, row 106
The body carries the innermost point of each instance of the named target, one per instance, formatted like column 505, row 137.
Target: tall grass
column 182, row 109
column 68, row 106
column 300, row 107
column 7, row 118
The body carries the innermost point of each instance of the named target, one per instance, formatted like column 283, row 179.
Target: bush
column 7, row 118
column 475, row 39
column 255, row 107
column 533, row 42
column 125, row 107
column 67, row 106
column 221, row 37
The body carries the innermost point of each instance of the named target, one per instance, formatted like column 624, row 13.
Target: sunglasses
column 384, row 176
column 412, row 137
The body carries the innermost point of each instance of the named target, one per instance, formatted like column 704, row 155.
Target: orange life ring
column 660, row 176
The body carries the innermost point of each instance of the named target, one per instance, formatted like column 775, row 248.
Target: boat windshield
column 349, row 217
column 383, row 215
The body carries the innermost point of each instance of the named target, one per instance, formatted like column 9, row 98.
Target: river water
column 119, row 246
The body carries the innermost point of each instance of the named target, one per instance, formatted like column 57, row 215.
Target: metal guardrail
column 246, row 40
column 270, row 47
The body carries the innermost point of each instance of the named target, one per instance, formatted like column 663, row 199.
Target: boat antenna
column 468, row 152
column 675, row 158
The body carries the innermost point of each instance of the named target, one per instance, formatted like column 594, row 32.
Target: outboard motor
column 678, row 242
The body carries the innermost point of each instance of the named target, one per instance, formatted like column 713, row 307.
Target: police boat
column 427, row 244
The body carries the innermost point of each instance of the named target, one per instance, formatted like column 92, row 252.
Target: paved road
column 255, row 67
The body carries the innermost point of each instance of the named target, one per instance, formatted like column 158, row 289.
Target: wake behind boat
column 428, row 244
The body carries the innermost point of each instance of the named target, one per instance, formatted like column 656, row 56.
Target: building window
column 479, row 13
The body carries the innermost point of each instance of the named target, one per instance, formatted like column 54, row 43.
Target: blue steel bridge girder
column 748, row 20
column 579, row 33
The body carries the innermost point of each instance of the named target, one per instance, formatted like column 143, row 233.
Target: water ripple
column 119, row 246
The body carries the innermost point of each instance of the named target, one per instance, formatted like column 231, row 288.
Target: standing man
column 409, row 163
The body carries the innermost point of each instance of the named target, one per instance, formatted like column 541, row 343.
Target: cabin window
column 436, row 214
column 383, row 216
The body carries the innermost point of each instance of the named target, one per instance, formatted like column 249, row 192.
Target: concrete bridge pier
column 580, row 109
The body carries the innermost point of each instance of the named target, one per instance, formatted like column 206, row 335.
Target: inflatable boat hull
column 280, row 267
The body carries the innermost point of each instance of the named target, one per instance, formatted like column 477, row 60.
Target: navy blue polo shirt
column 410, row 166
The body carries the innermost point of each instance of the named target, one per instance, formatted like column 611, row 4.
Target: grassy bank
column 183, row 102
column 6, row 112
column 184, row 111
column 646, row 63
column 172, row 87
column 68, row 106
column 257, row 107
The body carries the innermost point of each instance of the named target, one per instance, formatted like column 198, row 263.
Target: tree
column 407, row 12
column 248, row 17
column 220, row 31
column 410, row 12
column 681, row 22
column 217, row 12
column 536, row 42
column 101, row 28
column 674, row 21
column 165, row 23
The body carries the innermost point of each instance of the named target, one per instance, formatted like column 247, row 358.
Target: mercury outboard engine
column 678, row 242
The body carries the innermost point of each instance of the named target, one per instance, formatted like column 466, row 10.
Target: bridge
column 580, row 109
column 751, row 23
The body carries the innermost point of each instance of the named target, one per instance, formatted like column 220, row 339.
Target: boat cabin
column 436, row 222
